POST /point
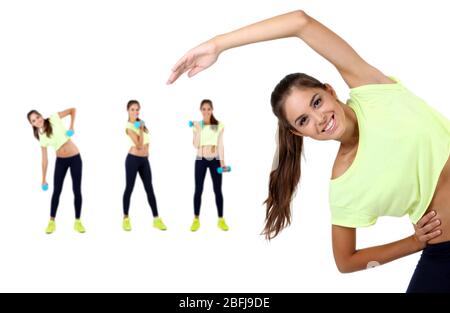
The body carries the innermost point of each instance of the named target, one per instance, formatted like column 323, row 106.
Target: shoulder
column 55, row 117
column 378, row 87
column 367, row 75
column 43, row 140
column 129, row 126
column 129, row 129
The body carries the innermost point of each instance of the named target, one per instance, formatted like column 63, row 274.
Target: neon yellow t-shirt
column 209, row 135
column 131, row 127
column 59, row 136
column 403, row 147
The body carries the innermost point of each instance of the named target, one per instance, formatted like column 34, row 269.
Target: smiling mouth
column 331, row 126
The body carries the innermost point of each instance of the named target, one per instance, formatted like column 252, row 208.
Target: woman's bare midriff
column 69, row 149
column 139, row 152
column 441, row 204
column 208, row 152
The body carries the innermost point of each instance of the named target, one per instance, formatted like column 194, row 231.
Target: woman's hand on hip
column 427, row 228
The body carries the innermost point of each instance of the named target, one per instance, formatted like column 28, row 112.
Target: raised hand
column 195, row 61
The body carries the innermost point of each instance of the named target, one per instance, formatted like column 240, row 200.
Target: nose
column 321, row 120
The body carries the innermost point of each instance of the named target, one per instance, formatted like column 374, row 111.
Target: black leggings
column 432, row 273
column 201, row 166
column 76, row 168
column 133, row 165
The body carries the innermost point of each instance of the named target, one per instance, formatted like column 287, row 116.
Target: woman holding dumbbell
column 208, row 140
column 52, row 132
column 137, row 162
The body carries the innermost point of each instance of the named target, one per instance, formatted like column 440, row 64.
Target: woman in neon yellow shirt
column 137, row 162
column 208, row 140
column 52, row 132
column 405, row 167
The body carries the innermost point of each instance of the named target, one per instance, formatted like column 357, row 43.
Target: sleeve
column 43, row 141
column 55, row 119
column 371, row 90
column 349, row 218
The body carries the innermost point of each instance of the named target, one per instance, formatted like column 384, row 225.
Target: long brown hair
column 214, row 122
column 48, row 129
column 285, row 174
column 131, row 103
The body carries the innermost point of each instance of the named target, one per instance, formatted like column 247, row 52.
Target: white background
column 97, row 55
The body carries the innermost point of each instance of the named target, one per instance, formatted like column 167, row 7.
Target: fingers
column 429, row 227
column 428, row 237
column 180, row 62
column 425, row 219
column 194, row 71
column 175, row 74
column 173, row 77
column 180, row 67
column 426, row 228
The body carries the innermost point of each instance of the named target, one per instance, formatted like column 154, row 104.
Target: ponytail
column 283, row 182
column 286, row 171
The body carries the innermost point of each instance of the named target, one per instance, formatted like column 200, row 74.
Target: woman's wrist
column 418, row 245
column 219, row 43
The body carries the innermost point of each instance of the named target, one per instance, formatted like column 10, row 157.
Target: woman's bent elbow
column 302, row 19
column 345, row 267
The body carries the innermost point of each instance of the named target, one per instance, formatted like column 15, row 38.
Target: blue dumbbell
column 191, row 124
column 138, row 124
column 45, row 187
column 225, row 169
column 70, row 133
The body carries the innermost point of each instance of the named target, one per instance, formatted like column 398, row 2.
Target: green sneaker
column 79, row 227
column 222, row 224
column 126, row 224
column 158, row 223
column 51, row 228
column 195, row 225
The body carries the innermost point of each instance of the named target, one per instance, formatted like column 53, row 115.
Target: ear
column 330, row 90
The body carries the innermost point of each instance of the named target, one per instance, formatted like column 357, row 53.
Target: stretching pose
column 208, row 140
column 137, row 162
column 52, row 132
column 393, row 158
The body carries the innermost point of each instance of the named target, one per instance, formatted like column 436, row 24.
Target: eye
column 317, row 102
column 302, row 121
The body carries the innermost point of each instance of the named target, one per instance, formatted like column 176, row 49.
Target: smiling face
column 36, row 120
column 133, row 111
column 315, row 113
column 207, row 111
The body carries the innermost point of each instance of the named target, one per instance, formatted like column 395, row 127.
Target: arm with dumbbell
column 138, row 140
column 141, row 136
column 44, row 167
column 197, row 134
column 221, row 150
column 72, row 112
